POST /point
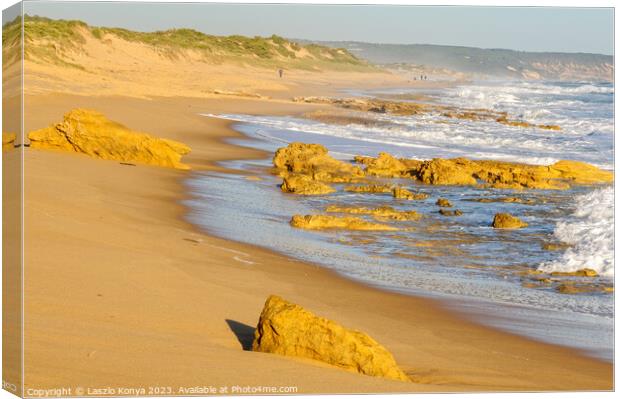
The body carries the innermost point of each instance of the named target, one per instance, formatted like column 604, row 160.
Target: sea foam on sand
column 590, row 229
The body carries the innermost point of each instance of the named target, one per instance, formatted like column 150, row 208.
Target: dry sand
column 122, row 292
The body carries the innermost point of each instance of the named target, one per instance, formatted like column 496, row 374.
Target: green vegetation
column 49, row 40
column 11, row 41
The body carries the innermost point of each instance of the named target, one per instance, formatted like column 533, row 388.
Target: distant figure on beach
column 280, row 72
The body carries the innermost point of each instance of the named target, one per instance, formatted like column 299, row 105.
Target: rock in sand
column 288, row 329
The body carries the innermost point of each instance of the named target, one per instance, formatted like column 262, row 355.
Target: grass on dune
column 48, row 39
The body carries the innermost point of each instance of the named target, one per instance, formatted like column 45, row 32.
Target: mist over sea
column 475, row 268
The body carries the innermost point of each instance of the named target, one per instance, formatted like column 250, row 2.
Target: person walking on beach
column 280, row 72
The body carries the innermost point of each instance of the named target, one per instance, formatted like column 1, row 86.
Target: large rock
column 314, row 161
column 304, row 185
column 288, row 329
column 507, row 221
column 91, row 133
column 322, row 222
column 497, row 174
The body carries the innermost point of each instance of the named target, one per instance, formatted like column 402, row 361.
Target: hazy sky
column 528, row 28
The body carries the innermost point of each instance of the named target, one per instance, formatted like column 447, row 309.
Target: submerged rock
column 383, row 106
column 288, row 329
column 446, row 212
column 370, row 188
column 515, row 200
column 577, row 273
column 381, row 213
column 552, row 246
column 91, row 133
column 444, row 203
column 313, row 160
column 507, row 221
column 304, row 185
column 403, row 193
column 321, row 222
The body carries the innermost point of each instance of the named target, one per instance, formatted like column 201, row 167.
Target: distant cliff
column 488, row 62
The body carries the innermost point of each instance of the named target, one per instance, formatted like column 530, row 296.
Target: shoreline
column 473, row 309
column 478, row 358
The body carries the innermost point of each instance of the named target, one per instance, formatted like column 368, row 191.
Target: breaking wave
column 590, row 231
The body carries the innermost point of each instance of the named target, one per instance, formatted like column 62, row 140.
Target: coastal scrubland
column 67, row 55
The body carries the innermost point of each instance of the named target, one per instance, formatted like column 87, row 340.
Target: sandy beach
column 122, row 292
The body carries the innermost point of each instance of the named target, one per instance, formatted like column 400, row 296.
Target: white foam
column 590, row 229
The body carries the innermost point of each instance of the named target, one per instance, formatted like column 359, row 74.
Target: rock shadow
column 243, row 332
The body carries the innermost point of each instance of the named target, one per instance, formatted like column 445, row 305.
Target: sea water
column 462, row 260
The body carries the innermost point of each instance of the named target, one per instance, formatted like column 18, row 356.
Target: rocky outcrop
column 573, row 288
column 288, row 329
column 313, row 160
column 507, row 221
column 304, row 185
column 91, row 133
column 322, row 222
column 555, row 246
column 385, row 165
column 444, row 203
column 403, row 193
column 8, row 141
column 380, row 213
column 516, row 200
column 446, row 212
column 497, row 174
column 577, row 273
column 370, row 188
column 383, row 106
column 580, row 172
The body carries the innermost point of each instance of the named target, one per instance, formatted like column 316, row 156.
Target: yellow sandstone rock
column 385, row 165
column 552, row 246
column 445, row 172
column 381, row 213
column 8, row 140
column 446, row 212
column 507, row 221
column 444, row 203
column 578, row 273
column 314, row 161
column 403, row 193
column 91, row 133
column 321, row 222
column 304, row 185
column 383, row 106
column 581, row 172
column 288, row 329
column 497, row 174
column 370, row 188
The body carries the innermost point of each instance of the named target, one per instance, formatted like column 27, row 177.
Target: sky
column 518, row 28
